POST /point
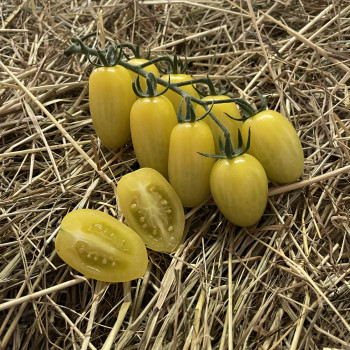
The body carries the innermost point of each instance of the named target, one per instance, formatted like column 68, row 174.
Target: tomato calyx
column 175, row 65
column 247, row 110
column 211, row 87
column 227, row 150
column 151, row 90
column 113, row 54
column 136, row 51
column 190, row 116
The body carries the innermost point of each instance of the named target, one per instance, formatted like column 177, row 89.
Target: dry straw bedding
column 281, row 285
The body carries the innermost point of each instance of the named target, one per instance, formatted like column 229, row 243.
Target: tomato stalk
column 78, row 47
column 112, row 56
column 135, row 50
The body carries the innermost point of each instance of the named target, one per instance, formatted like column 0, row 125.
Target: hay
column 281, row 285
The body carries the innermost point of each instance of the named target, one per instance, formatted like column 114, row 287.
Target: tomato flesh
column 101, row 247
column 239, row 187
column 152, row 208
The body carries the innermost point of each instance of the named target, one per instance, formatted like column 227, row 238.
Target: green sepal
column 247, row 110
column 208, row 112
column 190, row 116
column 135, row 49
column 175, row 65
column 215, row 156
column 109, row 57
column 263, row 106
column 227, row 150
column 238, row 119
column 151, row 90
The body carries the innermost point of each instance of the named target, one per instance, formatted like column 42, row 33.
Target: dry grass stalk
column 281, row 285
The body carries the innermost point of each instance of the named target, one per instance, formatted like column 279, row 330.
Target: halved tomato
column 152, row 208
column 101, row 247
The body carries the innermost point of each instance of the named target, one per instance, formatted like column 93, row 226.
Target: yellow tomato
column 275, row 143
column 152, row 120
column 239, row 188
column 111, row 97
column 189, row 172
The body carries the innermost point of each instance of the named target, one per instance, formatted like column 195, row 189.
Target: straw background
column 284, row 284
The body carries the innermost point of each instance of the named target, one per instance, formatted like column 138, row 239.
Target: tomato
column 189, row 172
column 275, row 143
column 111, row 97
column 219, row 111
column 152, row 208
column 101, row 247
column 152, row 120
column 151, row 68
column 174, row 97
column 239, row 188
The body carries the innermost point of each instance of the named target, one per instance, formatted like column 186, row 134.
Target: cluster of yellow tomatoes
column 182, row 162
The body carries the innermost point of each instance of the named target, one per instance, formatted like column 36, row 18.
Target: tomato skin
column 219, row 111
column 152, row 208
column 239, row 187
column 151, row 68
column 275, row 143
column 175, row 98
column 152, row 120
column 101, row 247
column 111, row 97
column 189, row 172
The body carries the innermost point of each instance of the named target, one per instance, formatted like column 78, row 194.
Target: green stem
column 79, row 48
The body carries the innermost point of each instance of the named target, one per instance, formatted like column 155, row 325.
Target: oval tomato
column 275, row 143
column 151, row 68
column 111, row 97
column 189, row 172
column 152, row 120
column 219, row 111
column 101, row 247
column 152, row 208
column 239, row 188
column 174, row 97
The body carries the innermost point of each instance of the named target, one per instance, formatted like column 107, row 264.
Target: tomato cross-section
column 101, row 247
column 152, row 208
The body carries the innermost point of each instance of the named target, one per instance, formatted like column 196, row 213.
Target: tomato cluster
column 188, row 149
